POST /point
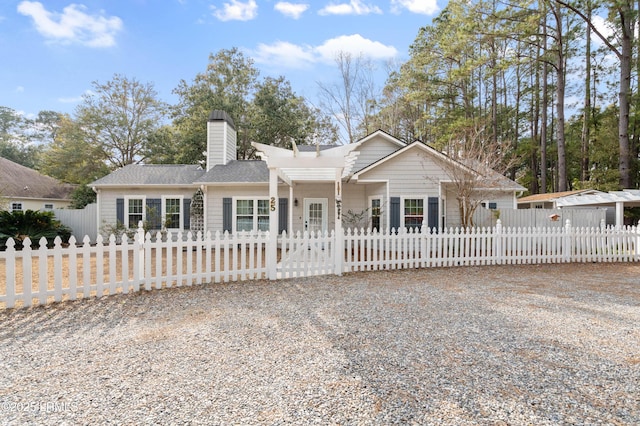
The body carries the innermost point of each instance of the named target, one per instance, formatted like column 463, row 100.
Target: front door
column 315, row 214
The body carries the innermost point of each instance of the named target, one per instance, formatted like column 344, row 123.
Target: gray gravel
column 518, row 345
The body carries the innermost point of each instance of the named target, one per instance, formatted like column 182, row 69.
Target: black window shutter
column 154, row 213
column 186, row 213
column 394, row 213
column 432, row 212
column 283, row 215
column 120, row 210
column 227, row 214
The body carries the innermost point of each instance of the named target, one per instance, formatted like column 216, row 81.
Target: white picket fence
column 367, row 250
column 37, row 276
column 42, row 275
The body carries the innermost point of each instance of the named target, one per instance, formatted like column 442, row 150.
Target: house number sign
column 272, row 204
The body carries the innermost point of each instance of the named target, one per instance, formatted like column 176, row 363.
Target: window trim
column 180, row 211
column 402, row 210
column 126, row 209
column 381, row 215
column 490, row 205
column 234, row 213
column 17, row 203
column 48, row 206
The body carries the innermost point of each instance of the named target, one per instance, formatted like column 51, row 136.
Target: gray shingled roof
column 152, row 174
column 22, row 182
column 244, row 171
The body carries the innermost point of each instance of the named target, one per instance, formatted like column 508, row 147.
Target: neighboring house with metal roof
column 22, row 188
column 379, row 179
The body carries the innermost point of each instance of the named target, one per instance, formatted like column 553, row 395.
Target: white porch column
column 290, row 225
column 619, row 214
column 338, row 233
column 272, row 244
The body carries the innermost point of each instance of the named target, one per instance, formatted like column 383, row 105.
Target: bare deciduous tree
column 476, row 168
column 349, row 100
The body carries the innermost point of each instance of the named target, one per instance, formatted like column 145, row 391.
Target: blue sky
column 52, row 50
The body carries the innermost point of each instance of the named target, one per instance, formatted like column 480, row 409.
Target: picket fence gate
column 36, row 276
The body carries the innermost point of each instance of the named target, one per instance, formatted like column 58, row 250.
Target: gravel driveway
column 551, row 344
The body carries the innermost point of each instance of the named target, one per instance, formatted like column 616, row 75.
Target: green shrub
column 33, row 224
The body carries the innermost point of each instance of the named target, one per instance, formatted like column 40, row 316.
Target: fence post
column 498, row 254
column 10, row 273
column 567, row 242
column 637, row 241
column 424, row 232
column 338, row 247
column 139, row 248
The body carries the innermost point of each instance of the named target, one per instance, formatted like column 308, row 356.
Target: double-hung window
column 172, row 213
column 413, row 212
column 376, row 214
column 252, row 214
column 16, row 207
column 135, row 212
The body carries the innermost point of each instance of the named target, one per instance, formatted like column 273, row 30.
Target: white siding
column 37, row 204
column 372, row 151
column 231, row 144
column 503, row 201
column 215, row 195
column 354, row 198
column 215, row 147
column 409, row 173
column 221, row 143
column 107, row 200
column 452, row 212
column 314, row 190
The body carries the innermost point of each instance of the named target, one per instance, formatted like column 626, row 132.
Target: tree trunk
column 543, row 118
column 560, row 87
column 624, row 94
column 586, row 114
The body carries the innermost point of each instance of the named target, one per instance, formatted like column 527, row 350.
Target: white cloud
column 353, row 7
column 283, row 53
column 76, row 99
column 604, row 27
column 297, row 56
column 237, row 11
column 423, row 7
column 356, row 45
column 73, row 25
column 19, row 89
column 292, row 10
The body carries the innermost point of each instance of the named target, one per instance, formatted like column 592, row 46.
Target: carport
column 617, row 199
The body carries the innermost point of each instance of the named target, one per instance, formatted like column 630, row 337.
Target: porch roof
column 319, row 165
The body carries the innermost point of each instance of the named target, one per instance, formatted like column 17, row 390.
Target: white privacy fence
column 538, row 218
column 38, row 276
column 81, row 221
